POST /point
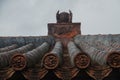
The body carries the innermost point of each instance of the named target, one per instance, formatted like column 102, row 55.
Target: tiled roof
column 45, row 53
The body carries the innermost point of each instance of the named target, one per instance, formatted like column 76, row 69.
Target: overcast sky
column 30, row 17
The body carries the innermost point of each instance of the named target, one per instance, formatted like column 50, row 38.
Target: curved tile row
column 99, row 52
column 6, row 56
column 8, row 48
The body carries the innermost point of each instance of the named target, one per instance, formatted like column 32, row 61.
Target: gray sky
column 30, row 17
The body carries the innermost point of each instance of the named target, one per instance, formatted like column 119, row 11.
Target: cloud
column 30, row 17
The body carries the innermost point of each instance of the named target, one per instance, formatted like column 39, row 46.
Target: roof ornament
column 64, row 17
